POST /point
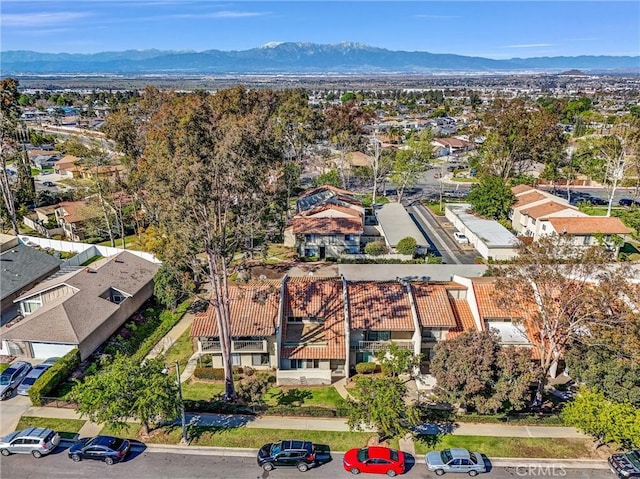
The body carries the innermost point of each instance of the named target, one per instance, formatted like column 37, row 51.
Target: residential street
column 155, row 465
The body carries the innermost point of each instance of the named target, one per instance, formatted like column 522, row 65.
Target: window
column 30, row 306
column 260, row 360
column 235, row 360
column 304, row 363
column 296, row 363
column 544, row 226
column 378, row 335
column 587, row 240
column 348, row 237
column 310, row 237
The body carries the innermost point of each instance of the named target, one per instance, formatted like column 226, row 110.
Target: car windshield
column 634, row 457
column 4, row 380
column 363, row 455
column 394, row 454
column 276, row 447
column 446, row 456
column 28, row 381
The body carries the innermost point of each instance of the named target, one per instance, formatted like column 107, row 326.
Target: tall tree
column 126, row 389
column 345, row 125
column 9, row 118
column 518, row 135
column 413, row 161
column 212, row 173
column 490, row 197
column 559, row 290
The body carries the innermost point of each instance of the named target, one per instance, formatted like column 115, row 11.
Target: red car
column 374, row 459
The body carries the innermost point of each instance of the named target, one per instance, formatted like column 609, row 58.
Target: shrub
column 407, row 246
column 208, row 373
column 249, row 371
column 366, row 368
column 52, row 377
column 376, row 248
column 237, row 369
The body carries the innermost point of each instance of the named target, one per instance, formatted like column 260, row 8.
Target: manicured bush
column 219, row 407
column 209, row 373
column 376, row 248
column 52, row 377
column 249, row 371
column 366, row 368
column 407, row 246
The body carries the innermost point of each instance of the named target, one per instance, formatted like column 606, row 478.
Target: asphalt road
column 156, row 465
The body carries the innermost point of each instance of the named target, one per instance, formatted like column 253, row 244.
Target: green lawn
column 256, row 438
column 507, row 446
column 4, row 366
column 129, row 431
column 435, row 208
column 181, row 350
column 68, row 428
column 131, row 243
column 201, row 391
column 323, row 396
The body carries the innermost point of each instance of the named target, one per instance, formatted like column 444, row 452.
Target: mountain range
column 296, row 58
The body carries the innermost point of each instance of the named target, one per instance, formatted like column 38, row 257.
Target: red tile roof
column 432, row 305
column 313, row 299
column 484, row 289
column 528, row 198
column 313, row 191
column 589, row 225
column 516, row 190
column 464, row 318
column 328, row 207
column 379, row 306
column 327, row 226
column 545, row 209
column 253, row 308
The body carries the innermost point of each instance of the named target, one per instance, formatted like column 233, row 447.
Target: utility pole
column 184, row 419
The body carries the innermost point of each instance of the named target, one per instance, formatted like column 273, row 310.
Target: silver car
column 27, row 382
column 12, row 376
column 36, row 441
column 455, row 460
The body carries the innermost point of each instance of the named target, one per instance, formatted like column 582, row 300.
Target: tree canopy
column 474, row 371
column 491, row 197
column 125, row 389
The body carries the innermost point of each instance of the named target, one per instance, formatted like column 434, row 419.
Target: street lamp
column 184, row 421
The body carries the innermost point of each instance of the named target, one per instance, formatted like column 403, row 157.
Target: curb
column 528, row 463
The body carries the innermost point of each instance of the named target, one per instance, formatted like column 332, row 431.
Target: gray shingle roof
column 73, row 317
column 22, row 265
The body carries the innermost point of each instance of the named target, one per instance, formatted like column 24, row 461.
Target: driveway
column 10, row 412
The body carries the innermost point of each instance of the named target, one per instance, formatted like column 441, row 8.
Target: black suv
column 626, row 465
column 287, row 453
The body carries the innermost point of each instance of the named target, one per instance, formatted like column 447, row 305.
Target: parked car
column 460, row 238
column 625, row 465
column 102, row 448
column 12, row 376
column 287, row 453
column 596, row 200
column 628, row 202
column 48, row 184
column 36, row 441
column 50, row 361
column 455, row 460
column 374, row 459
column 29, row 379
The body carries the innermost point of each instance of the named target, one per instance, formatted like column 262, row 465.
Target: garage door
column 48, row 350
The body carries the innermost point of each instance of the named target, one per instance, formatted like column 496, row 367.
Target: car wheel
column 7, row 394
column 5, row 452
column 391, row 473
column 267, row 466
column 108, row 461
column 439, row 472
column 355, row 471
column 76, row 458
column 473, row 473
column 36, row 454
column 302, row 467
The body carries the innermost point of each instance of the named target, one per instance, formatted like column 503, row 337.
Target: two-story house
column 253, row 309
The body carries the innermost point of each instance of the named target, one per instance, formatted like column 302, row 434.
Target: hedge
column 366, row 368
column 167, row 321
column 218, row 407
column 208, row 373
column 52, row 377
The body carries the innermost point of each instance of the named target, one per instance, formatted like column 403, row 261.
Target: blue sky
column 503, row 29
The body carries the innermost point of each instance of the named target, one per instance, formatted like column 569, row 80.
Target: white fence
column 84, row 252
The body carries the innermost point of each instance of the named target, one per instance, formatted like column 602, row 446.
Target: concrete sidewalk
column 337, row 424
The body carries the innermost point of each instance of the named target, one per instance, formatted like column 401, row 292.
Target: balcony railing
column 378, row 345
column 240, row 346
